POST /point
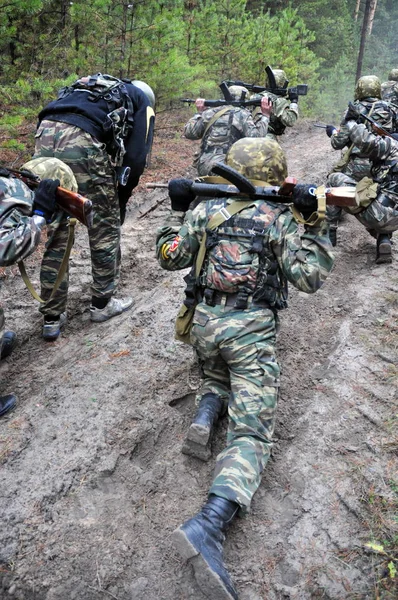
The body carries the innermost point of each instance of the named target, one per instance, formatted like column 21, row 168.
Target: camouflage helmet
column 148, row 91
column 53, row 168
column 393, row 75
column 236, row 92
column 368, row 86
column 280, row 78
column 258, row 158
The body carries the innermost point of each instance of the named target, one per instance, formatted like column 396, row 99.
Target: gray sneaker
column 114, row 307
column 52, row 329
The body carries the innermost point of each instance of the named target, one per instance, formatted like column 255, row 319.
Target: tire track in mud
column 94, row 481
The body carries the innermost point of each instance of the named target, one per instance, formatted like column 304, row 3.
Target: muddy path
column 92, row 479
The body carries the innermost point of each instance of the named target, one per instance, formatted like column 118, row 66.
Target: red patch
column 174, row 244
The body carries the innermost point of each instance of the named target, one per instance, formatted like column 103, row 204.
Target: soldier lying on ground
column 23, row 215
column 249, row 259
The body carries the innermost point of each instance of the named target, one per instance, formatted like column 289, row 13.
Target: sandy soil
column 93, row 481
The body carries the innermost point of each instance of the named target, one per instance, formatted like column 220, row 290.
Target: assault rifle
column 338, row 196
column 74, row 204
column 379, row 129
column 228, row 99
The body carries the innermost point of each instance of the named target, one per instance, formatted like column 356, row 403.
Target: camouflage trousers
column 237, row 350
column 89, row 161
column 205, row 161
column 377, row 217
column 354, row 171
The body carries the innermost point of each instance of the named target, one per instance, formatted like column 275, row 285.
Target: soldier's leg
column 249, row 351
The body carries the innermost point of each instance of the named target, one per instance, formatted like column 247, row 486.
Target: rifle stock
column 73, row 203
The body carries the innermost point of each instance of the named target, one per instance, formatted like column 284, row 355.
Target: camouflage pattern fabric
column 237, row 346
column 258, row 159
column 284, row 114
column 53, row 168
column 358, row 165
column 389, row 91
column 231, row 126
column 89, row 161
column 368, row 86
column 19, row 231
column 383, row 152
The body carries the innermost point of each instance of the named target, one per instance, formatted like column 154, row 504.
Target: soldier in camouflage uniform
column 284, row 110
column 378, row 195
column 250, row 257
column 23, row 215
column 220, row 127
column 76, row 129
column 389, row 89
column 355, row 163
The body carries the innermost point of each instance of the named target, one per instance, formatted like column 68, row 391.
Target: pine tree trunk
column 365, row 25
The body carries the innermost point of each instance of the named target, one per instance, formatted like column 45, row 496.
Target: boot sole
column 384, row 254
column 191, row 448
column 209, row 582
column 199, row 434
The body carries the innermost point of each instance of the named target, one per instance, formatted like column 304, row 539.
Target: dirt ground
column 93, row 481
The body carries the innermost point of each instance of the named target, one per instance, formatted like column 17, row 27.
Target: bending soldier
column 389, row 89
column 284, row 110
column 23, row 215
column 102, row 128
column 220, row 127
column 378, row 195
column 355, row 163
column 249, row 259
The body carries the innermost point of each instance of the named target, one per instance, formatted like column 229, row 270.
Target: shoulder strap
column 215, row 117
column 222, row 215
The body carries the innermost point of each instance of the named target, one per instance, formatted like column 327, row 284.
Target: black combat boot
column 7, row 403
column 199, row 436
column 383, row 253
column 8, row 344
column 201, row 540
column 333, row 235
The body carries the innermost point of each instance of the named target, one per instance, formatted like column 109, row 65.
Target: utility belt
column 239, row 300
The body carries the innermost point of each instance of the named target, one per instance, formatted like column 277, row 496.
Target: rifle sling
column 62, row 270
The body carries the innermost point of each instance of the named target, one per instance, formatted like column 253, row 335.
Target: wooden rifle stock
column 73, row 203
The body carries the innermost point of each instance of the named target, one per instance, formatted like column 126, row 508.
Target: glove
column 330, row 129
column 304, row 198
column 352, row 113
column 181, row 194
column 293, row 95
column 44, row 202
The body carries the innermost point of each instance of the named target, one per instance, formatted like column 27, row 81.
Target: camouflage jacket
column 19, row 232
column 389, row 91
column 218, row 137
column 375, row 108
column 304, row 260
column 284, row 114
column 383, row 152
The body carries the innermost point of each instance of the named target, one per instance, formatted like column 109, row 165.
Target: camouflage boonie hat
column 280, row 78
column 258, row 158
column 236, row 92
column 393, row 75
column 368, row 86
column 53, row 168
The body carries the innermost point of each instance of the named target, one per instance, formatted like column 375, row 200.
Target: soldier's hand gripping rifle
column 74, row 204
column 316, row 202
